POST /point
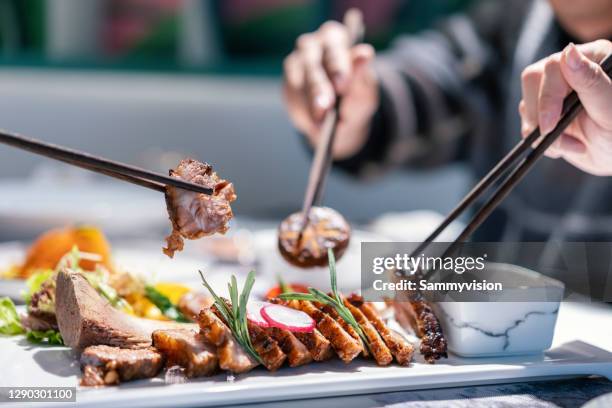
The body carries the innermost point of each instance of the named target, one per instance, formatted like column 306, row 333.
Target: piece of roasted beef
column 106, row 365
column 85, row 318
column 195, row 215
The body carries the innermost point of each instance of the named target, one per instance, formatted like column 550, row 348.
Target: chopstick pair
column 121, row 171
column 321, row 163
column 571, row 108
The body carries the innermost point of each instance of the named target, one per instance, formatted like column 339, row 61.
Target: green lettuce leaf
column 35, row 281
column 50, row 337
column 9, row 319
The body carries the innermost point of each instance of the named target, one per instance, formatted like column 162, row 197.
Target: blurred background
column 151, row 81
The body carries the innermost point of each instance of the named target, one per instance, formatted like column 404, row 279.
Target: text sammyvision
column 410, row 264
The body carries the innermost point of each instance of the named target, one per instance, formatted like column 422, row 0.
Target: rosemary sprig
column 336, row 300
column 236, row 316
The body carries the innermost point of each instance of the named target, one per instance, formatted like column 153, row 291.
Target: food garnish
column 9, row 319
column 164, row 304
column 335, row 300
column 283, row 287
column 10, row 324
column 254, row 313
column 236, row 316
column 50, row 337
column 35, row 281
column 289, row 319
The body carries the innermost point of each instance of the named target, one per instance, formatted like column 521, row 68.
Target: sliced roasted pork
column 401, row 349
column 232, row 357
column 331, row 311
column 416, row 313
column 378, row 348
column 187, row 349
column 195, row 215
column 266, row 347
column 345, row 345
column 106, row 365
column 297, row 352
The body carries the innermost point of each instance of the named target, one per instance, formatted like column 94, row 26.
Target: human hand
column 322, row 66
column 587, row 142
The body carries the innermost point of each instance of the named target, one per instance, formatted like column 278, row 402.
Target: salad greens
column 163, row 303
column 9, row 319
column 35, row 281
column 10, row 324
column 51, row 337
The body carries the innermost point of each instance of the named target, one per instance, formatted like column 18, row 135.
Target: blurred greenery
column 254, row 44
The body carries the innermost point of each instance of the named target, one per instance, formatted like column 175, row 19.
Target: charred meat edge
column 345, row 346
column 417, row 313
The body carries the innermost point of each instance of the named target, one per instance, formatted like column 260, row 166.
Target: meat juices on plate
column 196, row 215
column 326, row 228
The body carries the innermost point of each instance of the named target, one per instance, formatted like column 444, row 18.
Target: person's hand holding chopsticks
column 323, row 65
column 587, row 141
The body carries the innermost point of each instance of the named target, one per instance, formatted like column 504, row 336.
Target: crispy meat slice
column 106, row 365
column 346, row 346
column 231, row 355
column 187, row 349
column 297, row 353
column 194, row 215
column 347, row 327
column 378, row 348
column 191, row 303
column 401, row 349
column 319, row 347
column 416, row 313
column 266, row 347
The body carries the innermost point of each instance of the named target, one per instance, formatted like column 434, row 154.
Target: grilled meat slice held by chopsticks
column 195, row 215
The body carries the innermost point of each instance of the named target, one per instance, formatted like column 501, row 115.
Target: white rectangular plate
column 581, row 348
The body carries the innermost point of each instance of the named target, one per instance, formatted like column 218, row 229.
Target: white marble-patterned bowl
column 505, row 328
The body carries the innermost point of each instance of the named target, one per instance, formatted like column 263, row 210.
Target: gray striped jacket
column 452, row 94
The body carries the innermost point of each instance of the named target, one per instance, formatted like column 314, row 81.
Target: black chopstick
column 101, row 165
column 571, row 108
column 353, row 20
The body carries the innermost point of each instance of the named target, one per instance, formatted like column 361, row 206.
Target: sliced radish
column 254, row 313
column 286, row 318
